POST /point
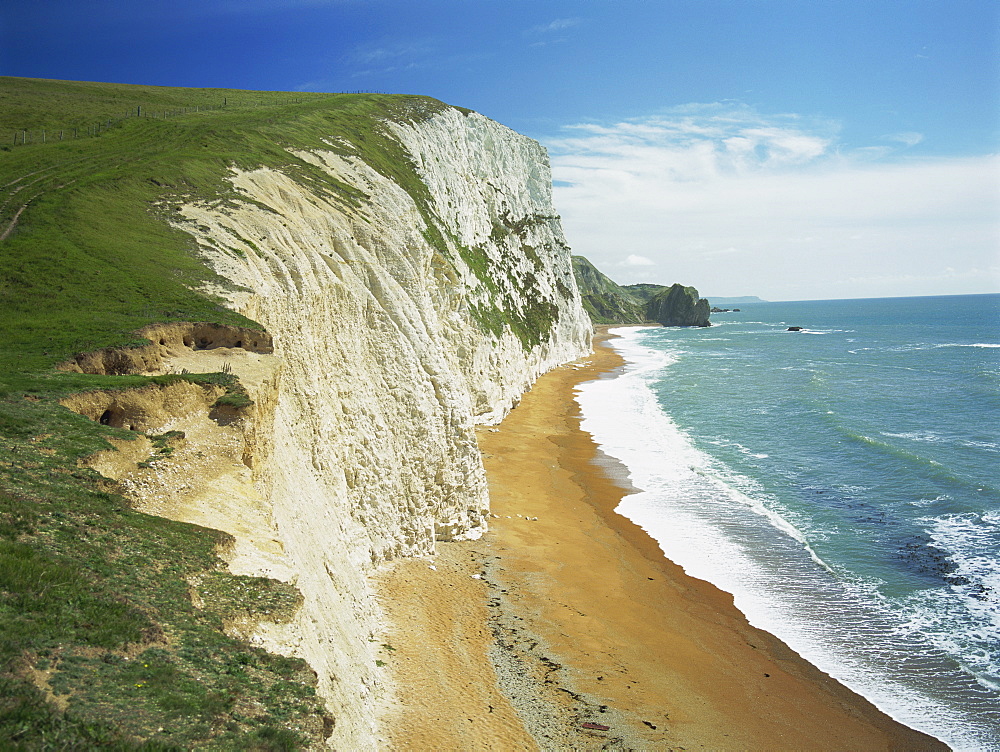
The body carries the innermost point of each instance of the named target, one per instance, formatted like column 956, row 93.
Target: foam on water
column 722, row 527
column 970, row 542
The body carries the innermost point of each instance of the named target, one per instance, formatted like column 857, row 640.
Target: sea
column 842, row 482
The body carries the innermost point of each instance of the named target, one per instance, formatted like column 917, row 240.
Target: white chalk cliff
column 400, row 320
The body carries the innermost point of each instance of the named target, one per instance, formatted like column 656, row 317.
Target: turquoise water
column 843, row 482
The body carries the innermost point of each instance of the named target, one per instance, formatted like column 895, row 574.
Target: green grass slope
column 643, row 291
column 100, row 645
column 606, row 302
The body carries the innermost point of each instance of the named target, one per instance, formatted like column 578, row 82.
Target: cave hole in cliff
column 115, row 417
column 239, row 343
column 225, row 415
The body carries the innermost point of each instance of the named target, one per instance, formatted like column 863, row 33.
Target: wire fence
column 28, row 136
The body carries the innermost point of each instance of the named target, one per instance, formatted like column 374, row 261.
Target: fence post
column 138, row 111
column 43, row 135
column 24, row 137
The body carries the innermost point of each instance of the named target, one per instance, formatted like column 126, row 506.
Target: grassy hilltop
column 100, row 644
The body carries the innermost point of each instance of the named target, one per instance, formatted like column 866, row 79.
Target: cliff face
column 610, row 303
column 678, row 306
column 400, row 320
column 604, row 300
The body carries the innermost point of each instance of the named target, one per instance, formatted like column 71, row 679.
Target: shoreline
column 567, row 615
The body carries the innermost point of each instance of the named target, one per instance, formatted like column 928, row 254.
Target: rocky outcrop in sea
column 678, row 305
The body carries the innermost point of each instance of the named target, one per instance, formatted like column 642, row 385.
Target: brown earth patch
column 165, row 341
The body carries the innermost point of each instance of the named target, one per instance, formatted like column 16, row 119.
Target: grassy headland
column 100, row 643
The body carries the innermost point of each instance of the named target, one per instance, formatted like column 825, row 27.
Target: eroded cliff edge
column 400, row 319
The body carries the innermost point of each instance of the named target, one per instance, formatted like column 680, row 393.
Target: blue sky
column 789, row 149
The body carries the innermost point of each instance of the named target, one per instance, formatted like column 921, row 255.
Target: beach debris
column 493, row 430
column 596, row 726
column 477, row 577
column 431, row 566
column 652, row 726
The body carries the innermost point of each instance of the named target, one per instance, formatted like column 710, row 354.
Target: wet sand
column 566, row 628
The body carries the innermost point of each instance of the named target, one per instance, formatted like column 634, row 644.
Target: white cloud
column 908, row 138
column 634, row 260
column 389, row 52
column 736, row 202
column 559, row 24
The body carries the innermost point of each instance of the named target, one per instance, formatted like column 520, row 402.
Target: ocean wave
column 662, row 438
column 926, row 502
column 741, row 449
column 969, row 539
column 914, row 462
column 917, row 346
column 963, row 618
column 925, row 436
column 989, row 446
column 691, row 504
column 930, row 437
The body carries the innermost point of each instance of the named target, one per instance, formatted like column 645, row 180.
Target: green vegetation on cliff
column 100, row 643
column 605, row 301
column 610, row 303
column 678, row 305
column 643, row 291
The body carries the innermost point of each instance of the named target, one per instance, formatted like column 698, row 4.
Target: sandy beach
column 566, row 628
